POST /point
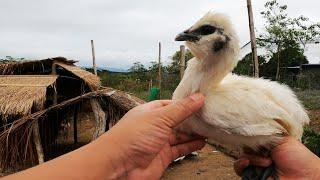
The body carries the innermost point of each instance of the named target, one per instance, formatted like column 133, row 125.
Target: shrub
column 311, row 140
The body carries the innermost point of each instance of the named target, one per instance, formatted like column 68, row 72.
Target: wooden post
column 55, row 93
column 159, row 75
column 100, row 118
column 278, row 64
column 37, row 142
column 93, row 58
column 255, row 60
column 182, row 60
column 54, row 102
column 75, row 122
column 150, row 85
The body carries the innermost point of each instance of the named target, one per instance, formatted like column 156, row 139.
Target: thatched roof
column 31, row 66
column 19, row 94
column 23, row 92
column 90, row 79
column 44, row 67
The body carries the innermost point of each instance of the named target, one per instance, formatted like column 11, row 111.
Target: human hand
column 145, row 142
column 291, row 158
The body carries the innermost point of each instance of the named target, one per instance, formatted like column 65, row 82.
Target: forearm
column 315, row 174
column 97, row 160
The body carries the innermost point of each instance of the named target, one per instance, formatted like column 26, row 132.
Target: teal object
column 154, row 94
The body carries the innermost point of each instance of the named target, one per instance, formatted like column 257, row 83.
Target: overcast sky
column 124, row 31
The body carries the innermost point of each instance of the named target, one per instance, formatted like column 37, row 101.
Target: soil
column 209, row 164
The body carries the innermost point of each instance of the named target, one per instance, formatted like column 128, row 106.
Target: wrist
column 316, row 172
column 114, row 159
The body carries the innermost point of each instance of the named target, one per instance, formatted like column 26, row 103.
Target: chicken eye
column 206, row 30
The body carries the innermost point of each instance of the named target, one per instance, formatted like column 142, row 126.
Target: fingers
column 179, row 138
column 153, row 105
column 159, row 103
column 258, row 160
column 176, row 112
column 186, row 148
column 240, row 165
column 247, row 160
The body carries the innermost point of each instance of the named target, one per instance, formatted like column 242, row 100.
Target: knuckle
column 182, row 106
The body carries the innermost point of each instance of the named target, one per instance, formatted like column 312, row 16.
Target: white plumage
column 239, row 111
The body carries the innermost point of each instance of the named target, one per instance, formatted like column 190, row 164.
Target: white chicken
column 239, row 111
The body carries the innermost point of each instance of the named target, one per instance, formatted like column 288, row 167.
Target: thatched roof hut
column 35, row 96
column 19, row 95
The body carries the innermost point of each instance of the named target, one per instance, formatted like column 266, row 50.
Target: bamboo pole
column 55, row 93
column 37, row 142
column 75, row 123
column 255, row 60
column 100, row 117
column 55, row 102
column 150, row 85
column 182, row 60
column 159, row 75
column 93, row 58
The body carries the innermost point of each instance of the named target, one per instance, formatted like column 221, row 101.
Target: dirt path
column 209, row 164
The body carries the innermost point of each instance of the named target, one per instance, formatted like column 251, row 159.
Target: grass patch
column 311, row 140
column 310, row 98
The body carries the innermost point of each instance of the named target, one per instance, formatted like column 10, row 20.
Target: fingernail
column 196, row 96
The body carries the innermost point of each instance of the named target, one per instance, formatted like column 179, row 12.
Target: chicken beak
column 186, row 36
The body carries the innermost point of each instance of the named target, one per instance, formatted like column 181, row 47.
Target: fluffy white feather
column 239, row 111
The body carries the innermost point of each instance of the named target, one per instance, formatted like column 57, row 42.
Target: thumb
column 178, row 111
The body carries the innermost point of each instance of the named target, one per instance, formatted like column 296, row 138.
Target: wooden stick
column 54, row 68
column 37, row 142
column 55, row 93
column 100, row 117
column 75, row 120
column 255, row 60
column 93, row 58
column 182, row 60
column 159, row 75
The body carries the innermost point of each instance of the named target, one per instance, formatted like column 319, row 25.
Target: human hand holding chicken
column 291, row 158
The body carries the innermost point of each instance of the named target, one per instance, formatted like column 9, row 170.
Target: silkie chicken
column 239, row 111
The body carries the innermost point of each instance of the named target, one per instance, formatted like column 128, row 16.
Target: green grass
column 310, row 98
column 311, row 140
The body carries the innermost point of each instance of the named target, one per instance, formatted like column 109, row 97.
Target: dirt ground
column 209, row 164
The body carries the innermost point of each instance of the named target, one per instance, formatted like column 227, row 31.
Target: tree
column 244, row 66
column 139, row 72
column 291, row 55
column 282, row 30
column 174, row 67
column 10, row 59
column 137, row 67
